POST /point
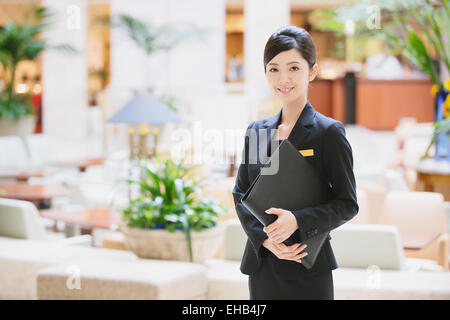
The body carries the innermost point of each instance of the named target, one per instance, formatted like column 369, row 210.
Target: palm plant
column 168, row 199
column 152, row 38
column 20, row 42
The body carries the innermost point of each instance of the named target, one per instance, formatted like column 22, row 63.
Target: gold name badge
column 307, row 152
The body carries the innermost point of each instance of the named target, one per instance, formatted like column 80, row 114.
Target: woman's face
column 288, row 75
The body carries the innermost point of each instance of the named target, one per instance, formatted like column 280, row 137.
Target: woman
column 275, row 270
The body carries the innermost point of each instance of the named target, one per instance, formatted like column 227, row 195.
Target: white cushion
column 20, row 219
column 225, row 280
column 105, row 273
column 21, row 259
column 362, row 245
column 123, row 279
column 355, row 284
column 235, row 240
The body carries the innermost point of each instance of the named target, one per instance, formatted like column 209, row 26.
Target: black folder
column 295, row 185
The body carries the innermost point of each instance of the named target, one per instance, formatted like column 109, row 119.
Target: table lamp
column 142, row 110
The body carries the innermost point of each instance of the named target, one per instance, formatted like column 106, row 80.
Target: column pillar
column 64, row 76
column 261, row 19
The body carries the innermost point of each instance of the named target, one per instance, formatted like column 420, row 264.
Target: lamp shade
column 145, row 108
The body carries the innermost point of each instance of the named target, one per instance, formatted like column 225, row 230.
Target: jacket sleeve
column 338, row 164
column 252, row 226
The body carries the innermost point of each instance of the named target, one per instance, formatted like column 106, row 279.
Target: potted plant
column 19, row 42
column 414, row 29
column 152, row 38
column 418, row 32
column 167, row 220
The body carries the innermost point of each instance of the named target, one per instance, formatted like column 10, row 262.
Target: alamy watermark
column 74, row 279
column 373, row 280
column 73, row 21
column 213, row 146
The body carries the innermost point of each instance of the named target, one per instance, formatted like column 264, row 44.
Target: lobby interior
column 122, row 126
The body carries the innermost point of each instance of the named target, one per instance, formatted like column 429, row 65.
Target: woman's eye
column 296, row 68
column 272, row 69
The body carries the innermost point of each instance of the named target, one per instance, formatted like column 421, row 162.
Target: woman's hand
column 281, row 251
column 283, row 227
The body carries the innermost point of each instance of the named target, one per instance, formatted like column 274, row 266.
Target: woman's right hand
column 282, row 251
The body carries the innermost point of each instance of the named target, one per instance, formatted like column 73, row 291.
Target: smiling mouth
column 284, row 90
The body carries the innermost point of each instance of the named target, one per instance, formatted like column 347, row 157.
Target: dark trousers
column 270, row 284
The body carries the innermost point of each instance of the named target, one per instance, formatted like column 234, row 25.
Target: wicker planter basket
column 20, row 127
column 165, row 245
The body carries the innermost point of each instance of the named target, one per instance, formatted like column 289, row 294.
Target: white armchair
column 372, row 265
column 421, row 221
column 14, row 153
column 20, row 219
column 371, row 260
column 350, row 244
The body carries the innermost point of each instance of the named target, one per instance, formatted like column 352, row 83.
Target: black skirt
column 268, row 284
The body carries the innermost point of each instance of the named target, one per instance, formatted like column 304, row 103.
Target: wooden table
column 24, row 175
column 430, row 179
column 82, row 164
column 86, row 218
column 40, row 195
column 435, row 175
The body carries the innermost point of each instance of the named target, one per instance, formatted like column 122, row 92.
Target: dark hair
column 287, row 38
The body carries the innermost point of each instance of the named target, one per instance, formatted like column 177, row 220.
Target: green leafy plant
column 412, row 28
column 170, row 100
column 416, row 32
column 440, row 127
column 169, row 199
column 20, row 42
column 15, row 106
column 415, row 29
column 153, row 38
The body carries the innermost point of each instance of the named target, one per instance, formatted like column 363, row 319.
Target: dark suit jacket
column 332, row 160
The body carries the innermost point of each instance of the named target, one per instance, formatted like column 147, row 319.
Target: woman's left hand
column 283, row 227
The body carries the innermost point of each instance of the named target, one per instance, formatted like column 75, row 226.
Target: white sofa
column 371, row 263
column 225, row 280
column 34, row 269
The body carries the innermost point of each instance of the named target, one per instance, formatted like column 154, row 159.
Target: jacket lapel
column 299, row 132
column 271, row 125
